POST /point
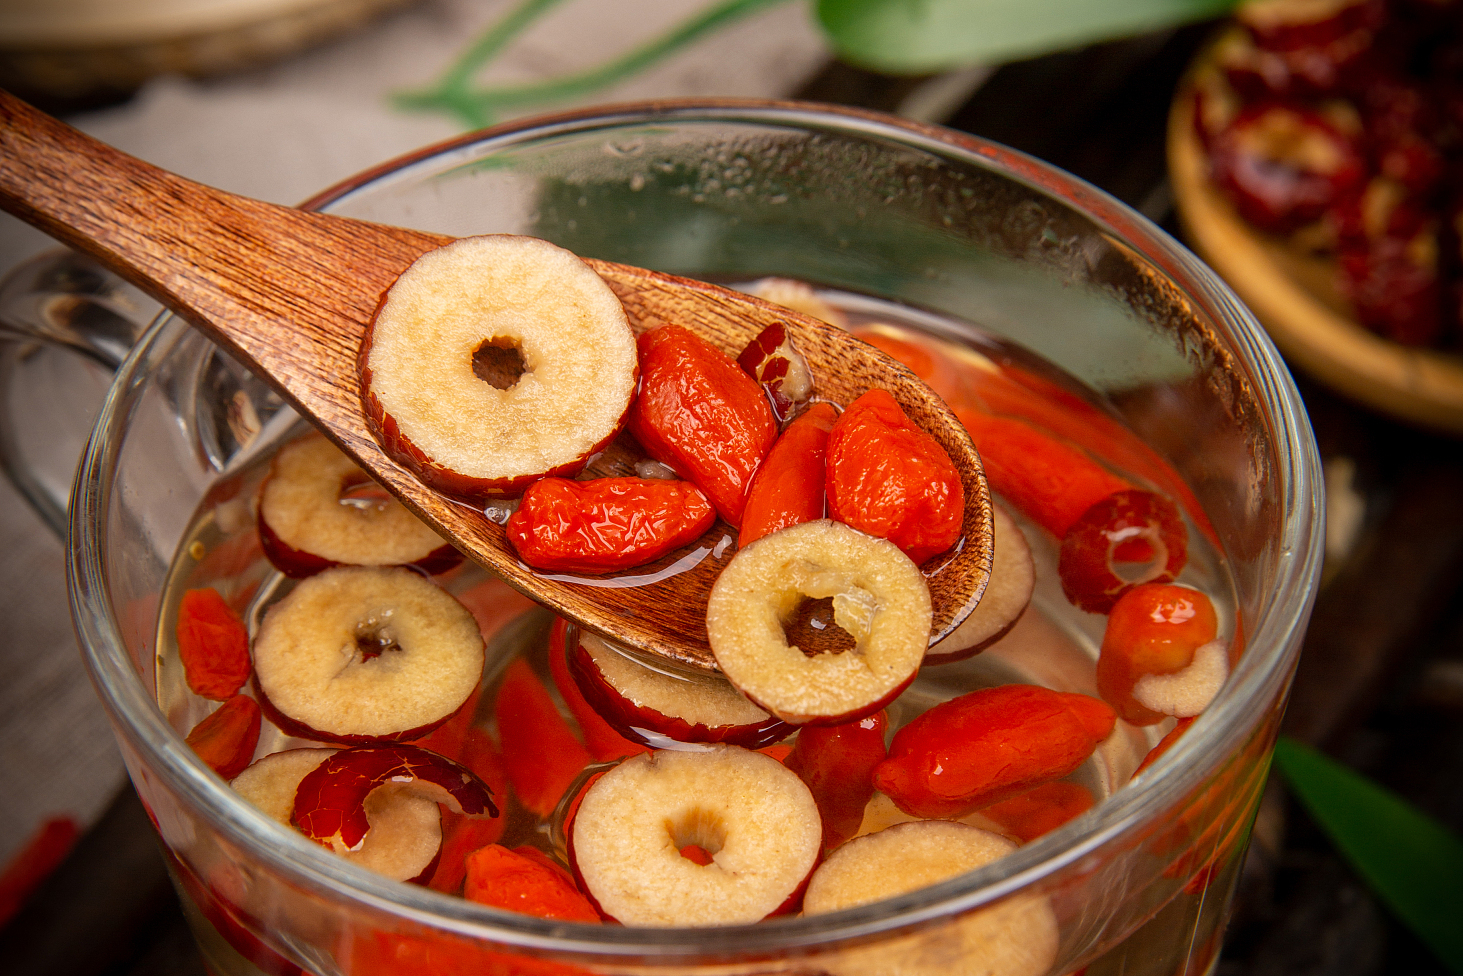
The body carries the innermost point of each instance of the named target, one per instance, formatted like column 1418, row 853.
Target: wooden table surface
column 1380, row 683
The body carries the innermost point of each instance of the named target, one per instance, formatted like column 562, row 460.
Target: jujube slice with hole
column 1006, row 597
column 405, row 839
column 878, row 596
column 366, row 654
column 330, row 802
column 1135, row 530
column 461, row 434
column 752, row 816
column 648, row 703
column 318, row 509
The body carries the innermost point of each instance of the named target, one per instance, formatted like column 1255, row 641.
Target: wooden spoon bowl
column 290, row 292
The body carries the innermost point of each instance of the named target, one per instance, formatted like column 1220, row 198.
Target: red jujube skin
column 699, row 413
column 607, row 524
column 788, row 488
column 988, row 746
column 889, row 478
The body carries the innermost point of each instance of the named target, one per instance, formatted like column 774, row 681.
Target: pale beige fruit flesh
column 1013, row 580
column 698, row 699
column 1187, row 692
column 406, row 830
column 1014, row 937
column 301, row 503
column 749, row 812
column 309, row 662
column 879, row 597
column 578, row 353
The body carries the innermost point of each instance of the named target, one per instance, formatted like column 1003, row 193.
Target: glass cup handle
column 61, row 299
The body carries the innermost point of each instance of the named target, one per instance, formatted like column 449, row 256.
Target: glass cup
column 951, row 228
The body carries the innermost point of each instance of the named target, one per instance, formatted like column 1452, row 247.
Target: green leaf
column 1412, row 862
column 917, row 36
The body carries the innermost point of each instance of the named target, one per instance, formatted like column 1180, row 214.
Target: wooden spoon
column 289, row 293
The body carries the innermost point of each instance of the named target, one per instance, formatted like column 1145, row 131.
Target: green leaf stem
column 918, row 36
column 1412, row 862
column 479, row 107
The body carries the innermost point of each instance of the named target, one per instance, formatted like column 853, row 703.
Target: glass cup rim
column 1215, row 734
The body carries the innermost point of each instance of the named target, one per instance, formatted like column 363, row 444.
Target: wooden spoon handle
column 288, row 292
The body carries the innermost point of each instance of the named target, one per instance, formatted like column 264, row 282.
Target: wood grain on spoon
column 289, row 293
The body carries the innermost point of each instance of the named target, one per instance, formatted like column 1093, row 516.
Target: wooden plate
column 72, row 49
column 1294, row 298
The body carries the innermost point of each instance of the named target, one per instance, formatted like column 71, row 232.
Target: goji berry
column 1048, row 480
column 988, row 746
column 607, row 524
column 890, row 479
column 939, row 371
column 226, row 739
column 540, row 751
column 788, row 488
column 700, row 414
column 513, row 882
column 837, row 764
column 1164, row 744
column 1039, row 811
column 461, row 834
column 603, row 741
column 213, row 644
column 1153, row 629
column 1133, row 527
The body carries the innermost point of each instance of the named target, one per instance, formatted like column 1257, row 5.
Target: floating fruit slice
column 358, row 654
column 405, row 835
column 606, row 524
column 330, row 803
column 318, row 509
column 752, row 816
column 878, row 598
column 547, row 331
column 1013, row 580
column 886, row 476
column 650, row 704
column 1015, row 937
column 990, row 745
column 700, row 414
column 1135, row 531
column 600, row 738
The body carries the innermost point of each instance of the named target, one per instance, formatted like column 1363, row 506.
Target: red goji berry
column 788, row 488
column 1152, row 629
column 607, row 524
column 226, row 739
column 213, row 644
column 988, row 746
column 539, row 748
column 1039, row 811
column 700, row 414
column 837, row 762
column 890, row 479
column 514, row 882
column 461, row 834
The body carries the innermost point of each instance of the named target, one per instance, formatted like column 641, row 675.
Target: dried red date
column 774, row 362
column 1135, row 530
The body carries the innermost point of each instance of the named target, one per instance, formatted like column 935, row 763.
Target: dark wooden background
column 1380, row 684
